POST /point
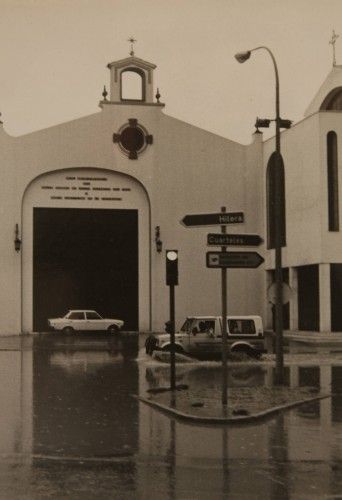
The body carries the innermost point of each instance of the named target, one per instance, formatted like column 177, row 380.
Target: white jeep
column 201, row 336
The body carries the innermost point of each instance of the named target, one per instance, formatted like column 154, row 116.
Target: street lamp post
column 241, row 57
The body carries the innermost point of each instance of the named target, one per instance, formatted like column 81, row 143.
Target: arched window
column 275, row 167
column 332, row 166
column 132, row 85
column 333, row 101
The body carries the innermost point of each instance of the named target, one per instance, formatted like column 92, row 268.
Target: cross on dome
column 332, row 42
column 132, row 41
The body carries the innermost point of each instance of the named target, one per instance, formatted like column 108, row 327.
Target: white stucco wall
column 186, row 170
column 199, row 172
column 331, row 241
column 304, row 149
column 300, row 148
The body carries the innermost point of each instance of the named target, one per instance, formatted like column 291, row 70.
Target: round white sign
column 272, row 293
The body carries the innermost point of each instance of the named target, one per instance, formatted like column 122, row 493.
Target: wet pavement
column 70, row 428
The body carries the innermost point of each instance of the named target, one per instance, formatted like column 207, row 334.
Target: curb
column 243, row 419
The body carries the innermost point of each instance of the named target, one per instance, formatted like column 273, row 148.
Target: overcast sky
column 54, row 53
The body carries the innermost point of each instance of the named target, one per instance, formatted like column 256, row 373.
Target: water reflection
column 300, row 440
column 81, row 400
column 70, row 428
column 206, row 376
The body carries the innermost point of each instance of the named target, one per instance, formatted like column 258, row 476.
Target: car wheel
column 113, row 329
column 68, row 330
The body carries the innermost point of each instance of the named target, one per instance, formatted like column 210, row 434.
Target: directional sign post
column 220, row 218
column 247, row 260
column 247, row 240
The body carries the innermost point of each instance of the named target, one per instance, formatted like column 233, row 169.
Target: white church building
column 90, row 206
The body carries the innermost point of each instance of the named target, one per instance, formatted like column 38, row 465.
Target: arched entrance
column 86, row 246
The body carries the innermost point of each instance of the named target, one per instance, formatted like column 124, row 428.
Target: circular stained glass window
column 132, row 139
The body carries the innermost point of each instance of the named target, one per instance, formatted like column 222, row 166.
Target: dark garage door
column 336, row 295
column 85, row 259
column 308, row 298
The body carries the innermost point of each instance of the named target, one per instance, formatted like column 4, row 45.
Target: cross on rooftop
column 132, row 41
column 333, row 42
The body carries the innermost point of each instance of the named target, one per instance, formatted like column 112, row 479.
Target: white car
column 77, row 320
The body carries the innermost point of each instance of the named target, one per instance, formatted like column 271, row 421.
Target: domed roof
column 329, row 96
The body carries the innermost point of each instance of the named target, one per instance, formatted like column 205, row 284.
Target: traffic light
column 262, row 123
column 171, row 267
column 265, row 123
column 284, row 123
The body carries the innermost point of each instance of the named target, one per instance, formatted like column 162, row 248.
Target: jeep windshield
column 187, row 325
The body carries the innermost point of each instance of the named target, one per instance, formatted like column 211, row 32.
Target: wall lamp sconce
column 17, row 240
column 159, row 243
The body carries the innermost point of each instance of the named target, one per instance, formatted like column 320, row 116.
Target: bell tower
column 131, row 80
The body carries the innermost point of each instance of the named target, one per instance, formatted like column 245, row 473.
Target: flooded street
column 71, row 428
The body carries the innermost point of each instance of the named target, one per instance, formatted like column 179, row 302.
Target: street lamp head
column 241, row 57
